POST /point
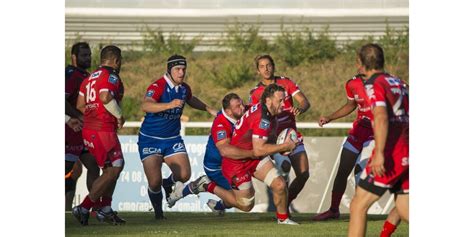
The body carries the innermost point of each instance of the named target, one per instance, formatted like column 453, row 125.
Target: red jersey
column 96, row 117
column 256, row 122
column 387, row 90
column 290, row 90
column 74, row 78
column 355, row 90
column 286, row 119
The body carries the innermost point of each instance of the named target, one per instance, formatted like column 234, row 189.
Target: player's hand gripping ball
column 285, row 135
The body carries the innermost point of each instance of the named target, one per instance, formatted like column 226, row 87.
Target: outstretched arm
column 341, row 112
column 198, row 104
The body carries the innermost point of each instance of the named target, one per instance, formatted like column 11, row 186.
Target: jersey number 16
column 90, row 93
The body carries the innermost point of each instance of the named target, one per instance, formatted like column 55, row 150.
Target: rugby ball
column 287, row 132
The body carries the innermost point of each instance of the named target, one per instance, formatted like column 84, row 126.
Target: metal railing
column 184, row 125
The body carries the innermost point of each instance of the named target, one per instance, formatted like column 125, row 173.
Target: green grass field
column 231, row 224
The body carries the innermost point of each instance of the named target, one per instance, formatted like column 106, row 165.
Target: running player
column 388, row 167
column 159, row 139
column 359, row 136
column 99, row 99
column 298, row 159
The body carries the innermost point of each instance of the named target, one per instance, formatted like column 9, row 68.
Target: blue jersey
column 165, row 124
column 222, row 128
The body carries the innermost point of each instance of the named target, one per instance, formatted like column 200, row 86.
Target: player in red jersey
column 99, row 99
column 388, row 167
column 298, row 159
column 252, row 132
column 359, row 136
column 75, row 152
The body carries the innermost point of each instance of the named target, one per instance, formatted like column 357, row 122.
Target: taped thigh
column 272, row 174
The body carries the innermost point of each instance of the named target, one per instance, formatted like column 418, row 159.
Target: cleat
column 168, row 191
column 176, row 194
column 287, row 221
column 83, row 218
column 109, row 217
column 200, row 184
column 212, row 205
column 326, row 216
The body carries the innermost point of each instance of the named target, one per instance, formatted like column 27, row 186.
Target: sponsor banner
column 323, row 153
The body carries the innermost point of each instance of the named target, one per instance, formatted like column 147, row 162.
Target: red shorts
column 238, row 172
column 396, row 164
column 104, row 146
column 74, row 144
column 360, row 133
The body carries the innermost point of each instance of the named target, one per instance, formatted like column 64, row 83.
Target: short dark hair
column 79, row 45
column 264, row 56
column 110, row 52
column 228, row 98
column 371, row 56
column 269, row 91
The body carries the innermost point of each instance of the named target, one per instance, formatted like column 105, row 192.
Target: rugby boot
column 176, row 194
column 109, row 217
column 83, row 218
column 287, row 221
column 329, row 214
column 200, row 184
column 212, row 205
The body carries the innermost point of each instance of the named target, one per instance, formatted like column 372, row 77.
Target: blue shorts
column 148, row 146
column 217, row 176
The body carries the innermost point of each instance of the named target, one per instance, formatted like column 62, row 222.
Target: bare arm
column 73, row 112
column 380, row 137
column 112, row 106
column 261, row 148
column 149, row 105
column 80, row 104
column 233, row 152
column 196, row 103
column 302, row 102
column 341, row 112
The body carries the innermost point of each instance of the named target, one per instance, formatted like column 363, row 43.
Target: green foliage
column 233, row 71
column 131, row 108
column 296, row 47
column 244, row 38
column 156, row 42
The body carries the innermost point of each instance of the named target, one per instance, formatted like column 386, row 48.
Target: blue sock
column 168, row 182
column 220, row 205
column 156, row 199
column 187, row 190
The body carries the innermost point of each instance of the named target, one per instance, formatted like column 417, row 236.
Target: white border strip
column 305, row 12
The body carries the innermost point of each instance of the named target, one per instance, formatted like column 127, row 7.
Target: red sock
column 336, row 201
column 282, row 217
column 106, row 201
column 87, row 203
column 211, row 186
column 388, row 229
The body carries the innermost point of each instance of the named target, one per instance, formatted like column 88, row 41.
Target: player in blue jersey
column 159, row 139
column 218, row 144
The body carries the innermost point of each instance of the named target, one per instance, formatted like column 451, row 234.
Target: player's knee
column 303, row 176
column 246, row 204
column 278, row 185
column 285, row 166
column 155, row 183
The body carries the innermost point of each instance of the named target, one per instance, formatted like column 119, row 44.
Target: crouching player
column 218, row 145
